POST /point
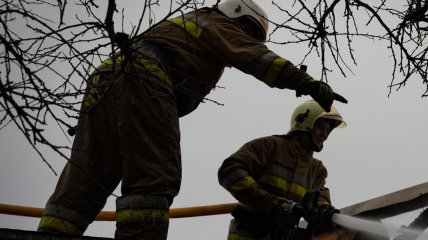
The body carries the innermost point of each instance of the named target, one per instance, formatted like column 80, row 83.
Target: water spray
column 361, row 225
column 376, row 229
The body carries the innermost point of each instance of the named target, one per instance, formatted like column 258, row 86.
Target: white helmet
column 305, row 115
column 239, row 8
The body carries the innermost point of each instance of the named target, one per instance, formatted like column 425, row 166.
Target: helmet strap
column 307, row 140
column 251, row 27
column 314, row 147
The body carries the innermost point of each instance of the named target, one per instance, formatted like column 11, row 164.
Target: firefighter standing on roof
column 129, row 129
column 271, row 176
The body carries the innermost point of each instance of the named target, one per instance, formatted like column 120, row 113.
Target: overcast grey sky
column 382, row 150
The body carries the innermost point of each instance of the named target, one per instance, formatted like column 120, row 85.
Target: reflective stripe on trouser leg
column 236, row 233
column 57, row 218
column 142, row 217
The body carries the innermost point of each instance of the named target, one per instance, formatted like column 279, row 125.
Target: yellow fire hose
column 174, row 213
column 111, row 215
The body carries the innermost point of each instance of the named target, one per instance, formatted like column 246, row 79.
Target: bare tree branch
column 45, row 59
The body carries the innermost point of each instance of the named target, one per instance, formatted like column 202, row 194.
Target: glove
column 288, row 207
column 285, row 214
column 321, row 92
column 320, row 220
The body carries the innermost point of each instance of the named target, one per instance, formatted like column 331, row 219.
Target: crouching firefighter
column 278, row 181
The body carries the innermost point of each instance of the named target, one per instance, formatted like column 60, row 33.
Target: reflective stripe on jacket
column 272, row 166
column 142, row 65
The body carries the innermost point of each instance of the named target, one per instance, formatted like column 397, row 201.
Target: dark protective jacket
column 202, row 43
column 273, row 166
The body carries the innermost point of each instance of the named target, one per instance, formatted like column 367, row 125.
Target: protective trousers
column 128, row 131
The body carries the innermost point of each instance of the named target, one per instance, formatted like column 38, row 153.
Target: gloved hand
column 321, row 92
column 288, row 207
column 320, row 220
